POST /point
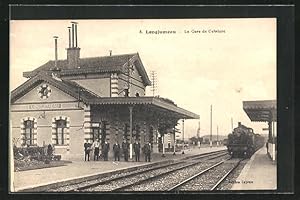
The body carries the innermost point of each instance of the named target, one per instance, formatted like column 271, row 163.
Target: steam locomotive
column 243, row 142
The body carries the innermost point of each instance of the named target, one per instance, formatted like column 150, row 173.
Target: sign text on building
column 44, row 106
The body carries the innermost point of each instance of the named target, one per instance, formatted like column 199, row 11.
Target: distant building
column 68, row 102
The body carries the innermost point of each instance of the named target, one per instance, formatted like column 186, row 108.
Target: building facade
column 68, row 102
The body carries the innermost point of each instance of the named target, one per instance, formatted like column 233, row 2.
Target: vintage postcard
column 140, row 105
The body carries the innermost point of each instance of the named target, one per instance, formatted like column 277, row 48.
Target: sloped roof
column 261, row 111
column 88, row 97
column 142, row 100
column 114, row 63
column 66, row 86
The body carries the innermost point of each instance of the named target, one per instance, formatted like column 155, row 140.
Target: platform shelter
column 265, row 111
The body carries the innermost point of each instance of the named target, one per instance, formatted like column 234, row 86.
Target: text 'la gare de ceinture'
column 191, row 31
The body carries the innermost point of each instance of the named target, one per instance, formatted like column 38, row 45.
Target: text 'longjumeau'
column 198, row 31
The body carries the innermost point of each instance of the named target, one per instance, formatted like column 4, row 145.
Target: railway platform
column 260, row 173
column 24, row 180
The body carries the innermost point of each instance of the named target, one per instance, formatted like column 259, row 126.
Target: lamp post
column 198, row 134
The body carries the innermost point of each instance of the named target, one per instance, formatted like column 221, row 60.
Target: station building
column 68, row 102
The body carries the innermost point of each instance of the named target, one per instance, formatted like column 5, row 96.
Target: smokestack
column 55, row 47
column 72, row 35
column 69, row 36
column 73, row 52
column 75, row 34
column 110, row 52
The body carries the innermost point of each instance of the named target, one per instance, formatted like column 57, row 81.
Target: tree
column 194, row 140
column 206, row 140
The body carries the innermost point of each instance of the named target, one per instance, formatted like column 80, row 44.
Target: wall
column 33, row 96
column 136, row 86
column 44, row 129
column 44, row 111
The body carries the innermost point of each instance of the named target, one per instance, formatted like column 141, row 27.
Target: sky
column 218, row 62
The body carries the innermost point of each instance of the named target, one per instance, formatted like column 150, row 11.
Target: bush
column 31, row 153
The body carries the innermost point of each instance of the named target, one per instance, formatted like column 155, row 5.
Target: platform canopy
column 146, row 104
column 261, row 111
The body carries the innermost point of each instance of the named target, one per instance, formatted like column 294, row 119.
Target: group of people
column 117, row 150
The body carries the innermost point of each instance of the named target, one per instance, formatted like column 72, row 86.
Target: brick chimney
column 73, row 51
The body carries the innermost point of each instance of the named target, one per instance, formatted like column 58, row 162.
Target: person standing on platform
column 96, row 146
column 147, row 152
column 49, row 150
column 125, row 147
column 87, row 149
column 137, row 148
column 105, row 150
column 116, row 149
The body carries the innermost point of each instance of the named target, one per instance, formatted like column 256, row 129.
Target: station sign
column 95, row 124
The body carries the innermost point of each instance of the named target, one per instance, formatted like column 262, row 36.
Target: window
column 28, row 132
column 61, row 126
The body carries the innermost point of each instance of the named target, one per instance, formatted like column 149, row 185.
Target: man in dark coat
column 137, row 149
column 147, row 151
column 105, row 150
column 49, row 150
column 117, row 149
column 87, row 150
column 125, row 147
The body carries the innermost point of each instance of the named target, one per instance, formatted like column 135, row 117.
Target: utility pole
column 129, row 72
column 198, row 134
column 210, row 142
column 183, row 135
column 231, row 124
column 153, row 75
column 217, row 135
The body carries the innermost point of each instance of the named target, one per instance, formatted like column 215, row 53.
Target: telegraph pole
column 198, row 134
column 217, row 135
column 154, row 82
column 129, row 71
column 210, row 142
column 183, row 135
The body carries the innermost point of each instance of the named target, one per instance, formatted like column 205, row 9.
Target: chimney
column 55, row 47
column 110, row 52
column 73, row 52
column 239, row 124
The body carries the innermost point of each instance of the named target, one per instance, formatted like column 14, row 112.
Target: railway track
column 210, row 178
column 121, row 181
